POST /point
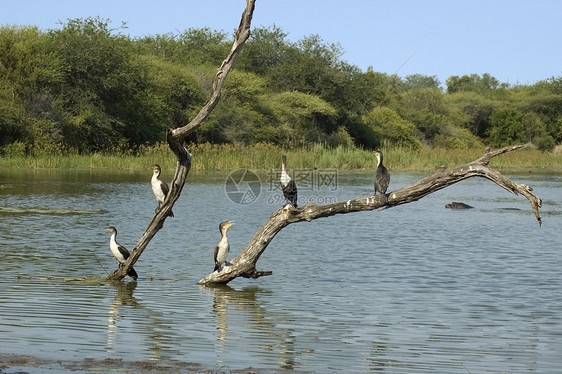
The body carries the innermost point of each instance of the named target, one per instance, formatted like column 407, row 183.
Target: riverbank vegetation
column 265, row 156
column 88, row 95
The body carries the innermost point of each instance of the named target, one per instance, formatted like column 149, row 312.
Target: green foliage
column 239, row 117
column 340, row 138
column 102, row 85
column 420, row 81
column 11, row 117
column 244, row 86
column 454, row 137
column 261, row 156
column 529, row 114
column 15, row 149
column 472, row 82
column 26, row 61
column 424, row 108
column 545, row 100
column 202, row 46
column 300, row 117
column 88, row 87
column 471, row 111
column 511, row 126
column 265, row 49
column 507, row 127
column 390, row 129
column 174, row 94
column 28, row 69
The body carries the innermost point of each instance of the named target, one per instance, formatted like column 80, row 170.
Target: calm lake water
column 412, row 289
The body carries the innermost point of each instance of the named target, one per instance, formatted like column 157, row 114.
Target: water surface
column 413, row 289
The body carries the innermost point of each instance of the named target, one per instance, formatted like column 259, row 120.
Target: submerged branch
column 245, row 264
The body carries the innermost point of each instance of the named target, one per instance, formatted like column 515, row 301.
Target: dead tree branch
column 176, row 136
column 245, row 264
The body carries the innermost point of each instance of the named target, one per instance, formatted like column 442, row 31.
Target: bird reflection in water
column 154, row 325
column 247, row 316
column 124, row 296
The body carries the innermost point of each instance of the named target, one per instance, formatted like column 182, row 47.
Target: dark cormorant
column 288, row 185
column 159, row 187
column 120, row 253
column 382, row 176
column 222, row 249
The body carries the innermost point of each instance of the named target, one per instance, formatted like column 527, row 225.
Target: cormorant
column 159, row 187
column 222, row 249
column 382, row 176
column 288, row 185
column 120, row 253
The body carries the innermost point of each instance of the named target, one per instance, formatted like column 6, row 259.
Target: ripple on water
column 417, row 288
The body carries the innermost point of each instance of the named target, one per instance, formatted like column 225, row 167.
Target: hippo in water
column 458, row 205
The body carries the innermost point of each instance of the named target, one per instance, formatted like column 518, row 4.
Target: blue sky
column 515, row 41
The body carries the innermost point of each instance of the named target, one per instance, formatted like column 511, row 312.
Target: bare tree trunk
column 176, row 136
column 245, row 264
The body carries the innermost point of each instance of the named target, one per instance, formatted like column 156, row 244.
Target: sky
column 516, row 41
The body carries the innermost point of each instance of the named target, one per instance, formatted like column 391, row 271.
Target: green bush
column 391, row 129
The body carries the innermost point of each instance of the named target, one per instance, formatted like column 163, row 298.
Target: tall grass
column 267, row 156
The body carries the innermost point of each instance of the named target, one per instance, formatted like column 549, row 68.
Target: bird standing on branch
column 382, row 176
column 120, row 253
column 159, row 187
column 222, row 249
column 288, row 185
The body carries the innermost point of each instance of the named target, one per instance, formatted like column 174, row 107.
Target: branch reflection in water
column 124, row 296
column 229, row 300
column 126, row 316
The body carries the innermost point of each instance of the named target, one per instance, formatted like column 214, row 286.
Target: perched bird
column 222, row 249
column 120, row 253
column 288, row 185
column 382, row 176
column 159, row 187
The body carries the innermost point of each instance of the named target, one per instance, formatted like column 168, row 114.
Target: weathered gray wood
column 175, row 138
column 245, row 264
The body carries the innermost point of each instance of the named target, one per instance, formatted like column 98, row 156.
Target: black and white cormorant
column 288, row 185
column 222, row 249
column 382, row 176
column 120, row 253
column 159, row 187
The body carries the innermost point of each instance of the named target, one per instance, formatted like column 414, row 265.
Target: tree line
column 90, row 87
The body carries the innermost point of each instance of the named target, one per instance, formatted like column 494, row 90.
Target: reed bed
column 210, row 157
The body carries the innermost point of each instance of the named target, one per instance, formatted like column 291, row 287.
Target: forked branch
column 175, row 138
column 245, row 264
